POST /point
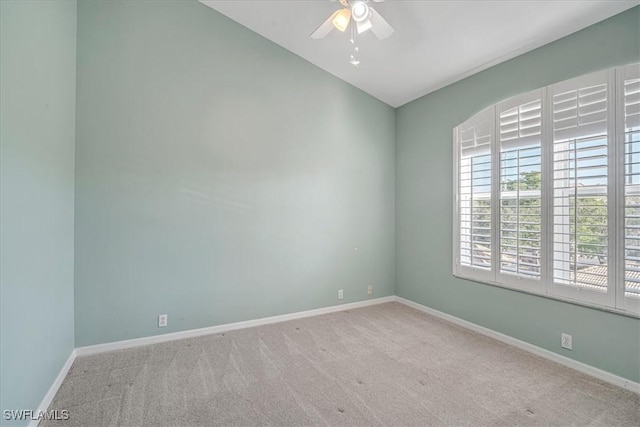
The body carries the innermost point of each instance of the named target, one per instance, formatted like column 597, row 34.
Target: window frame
column 627, row 304
column 512, row 280
column 614, row 300
column 583, row 294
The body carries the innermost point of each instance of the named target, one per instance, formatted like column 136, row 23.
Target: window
column 581, row 157
column 475, row 192
column 629, row 92
column 520, row 225
column 547, row 191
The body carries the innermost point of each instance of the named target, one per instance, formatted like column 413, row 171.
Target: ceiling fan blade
column 379, row 26
column 363, row 26
column 325, row 28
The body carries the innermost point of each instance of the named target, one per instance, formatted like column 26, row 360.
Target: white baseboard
column 48, row 398
column 137, row 342
column 538, row 351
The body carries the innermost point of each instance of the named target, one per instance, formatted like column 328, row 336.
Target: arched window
column 547, row 191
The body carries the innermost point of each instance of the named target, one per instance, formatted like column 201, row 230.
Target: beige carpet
column 382, row 365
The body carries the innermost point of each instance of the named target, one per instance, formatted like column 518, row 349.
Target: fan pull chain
column 354, row 33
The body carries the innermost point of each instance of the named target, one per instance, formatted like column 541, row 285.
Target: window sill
column 552, row 297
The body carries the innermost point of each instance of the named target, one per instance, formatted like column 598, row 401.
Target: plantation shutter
column 474, row 191
column 580, row 117
column 475, row 134
column 580, row 107
column 547, row 191
column 631, row 108
column 520, row 128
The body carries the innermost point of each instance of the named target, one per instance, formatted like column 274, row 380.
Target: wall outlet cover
column 162, row 320
column 566, row 342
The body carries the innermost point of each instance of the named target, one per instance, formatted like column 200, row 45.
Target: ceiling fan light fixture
column 359, row 11
column 341, row 19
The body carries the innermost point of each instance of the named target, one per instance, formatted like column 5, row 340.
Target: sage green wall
column 424, row 203
column 37, row 126
column 219, row 177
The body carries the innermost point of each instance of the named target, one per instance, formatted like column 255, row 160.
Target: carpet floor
column 387, row 365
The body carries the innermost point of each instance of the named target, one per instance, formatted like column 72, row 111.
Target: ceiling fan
column 364, row 18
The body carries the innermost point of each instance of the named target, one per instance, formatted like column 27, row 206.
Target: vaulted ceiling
column 435, row 42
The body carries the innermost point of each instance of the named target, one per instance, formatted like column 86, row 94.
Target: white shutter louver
column 521, row 125
column 580, row 107
column 474, row 137
column 475, row 134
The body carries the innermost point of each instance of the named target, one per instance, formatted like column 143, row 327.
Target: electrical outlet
column 369, row 289
column 163, row 320
column 566, row 342
column 340, row 294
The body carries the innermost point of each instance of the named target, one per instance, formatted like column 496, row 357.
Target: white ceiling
column 435, row 43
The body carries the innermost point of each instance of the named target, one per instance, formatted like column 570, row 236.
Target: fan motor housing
column 359, row 11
